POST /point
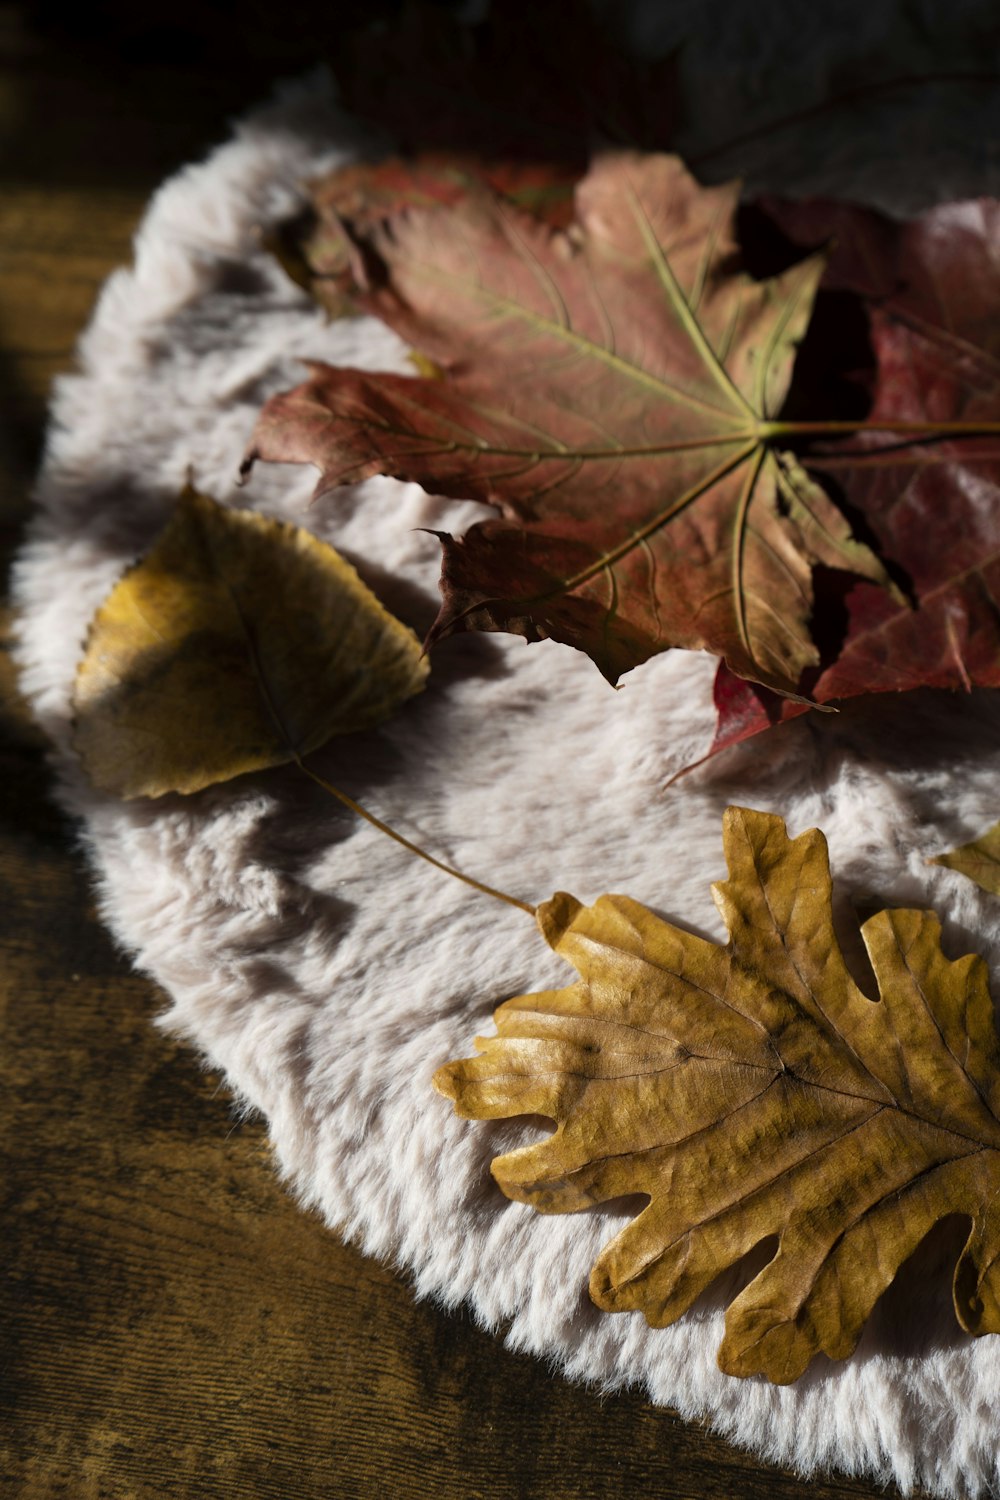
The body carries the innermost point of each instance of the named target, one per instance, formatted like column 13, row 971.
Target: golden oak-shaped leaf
column 610, row 389
column 236, row 643
column 753, row 1091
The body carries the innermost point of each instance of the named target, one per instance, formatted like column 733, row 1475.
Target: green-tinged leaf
column 236, row 643
column 753, row 1091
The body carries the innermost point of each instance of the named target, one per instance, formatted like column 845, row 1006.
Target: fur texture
column 328, row 973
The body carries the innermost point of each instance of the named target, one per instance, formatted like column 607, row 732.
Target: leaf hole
column 914, row 1314
column 629, row 1205
column 848, row 915
column 732, row 1281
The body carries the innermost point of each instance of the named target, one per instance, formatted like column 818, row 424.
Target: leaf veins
column 612, row 390
column 753, row 1091
column 237, row 642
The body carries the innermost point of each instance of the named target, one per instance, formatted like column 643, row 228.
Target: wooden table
column 171, row 1323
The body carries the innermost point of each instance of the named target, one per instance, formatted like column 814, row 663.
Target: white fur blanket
column 327, row 972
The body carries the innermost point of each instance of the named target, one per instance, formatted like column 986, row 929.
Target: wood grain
column 173, row 1325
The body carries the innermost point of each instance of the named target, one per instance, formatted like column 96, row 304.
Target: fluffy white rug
column 327, row 972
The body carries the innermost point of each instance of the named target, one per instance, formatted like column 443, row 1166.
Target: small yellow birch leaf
column 980, row 860
column 236, row 643
column 752, row 1091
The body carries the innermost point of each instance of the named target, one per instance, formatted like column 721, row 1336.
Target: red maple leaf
column 930, row 293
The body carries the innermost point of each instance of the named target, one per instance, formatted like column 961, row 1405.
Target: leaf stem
column 768, row 431
column 355, row 807
column 362, row 812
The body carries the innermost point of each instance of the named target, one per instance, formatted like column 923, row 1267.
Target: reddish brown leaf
column 932, row 295
column 610, row 389
column 744, row 709
column 319, row 248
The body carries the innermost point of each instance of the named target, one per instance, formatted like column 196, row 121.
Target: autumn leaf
column 613, row 391
column 236, row 643
column 979, row 860
column 753, row 1091
column 318, row 247
column 930, row 291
